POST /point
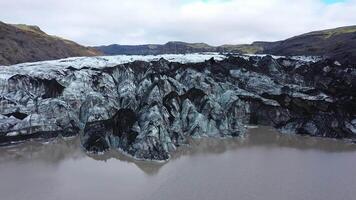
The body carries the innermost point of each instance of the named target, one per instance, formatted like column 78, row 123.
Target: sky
column 216, row 22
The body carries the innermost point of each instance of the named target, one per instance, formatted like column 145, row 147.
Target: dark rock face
column 148, row 109
column 123, row 121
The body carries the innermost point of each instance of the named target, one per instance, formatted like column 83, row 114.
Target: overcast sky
column 216, row 22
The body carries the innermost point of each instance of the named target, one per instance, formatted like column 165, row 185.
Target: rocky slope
column 146, row 107
column 337, row 44
column 22, row 43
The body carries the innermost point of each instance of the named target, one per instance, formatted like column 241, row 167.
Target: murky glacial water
column 263, row 166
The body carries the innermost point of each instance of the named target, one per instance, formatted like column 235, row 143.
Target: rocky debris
column 147, row 109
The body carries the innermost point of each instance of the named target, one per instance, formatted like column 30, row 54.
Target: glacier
column 148, row 106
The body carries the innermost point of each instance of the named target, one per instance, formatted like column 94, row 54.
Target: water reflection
column 51, row 151
column 149, row 168
column 59, row 149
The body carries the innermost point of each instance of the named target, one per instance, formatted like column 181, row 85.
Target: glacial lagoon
column 263, row 165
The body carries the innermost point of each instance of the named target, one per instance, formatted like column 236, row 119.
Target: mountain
column 23, row 43
column 155, row 49
column 338, row 44
column 175, row 48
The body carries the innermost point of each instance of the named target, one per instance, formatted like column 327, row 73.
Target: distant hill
column 338, row 43
column 174, row 48
column 154, row 49
column 22, row 43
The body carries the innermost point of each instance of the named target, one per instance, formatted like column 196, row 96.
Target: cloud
column 216, row 22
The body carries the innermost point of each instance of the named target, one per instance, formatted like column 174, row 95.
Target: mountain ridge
column 26, row 43
column 338, row 43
